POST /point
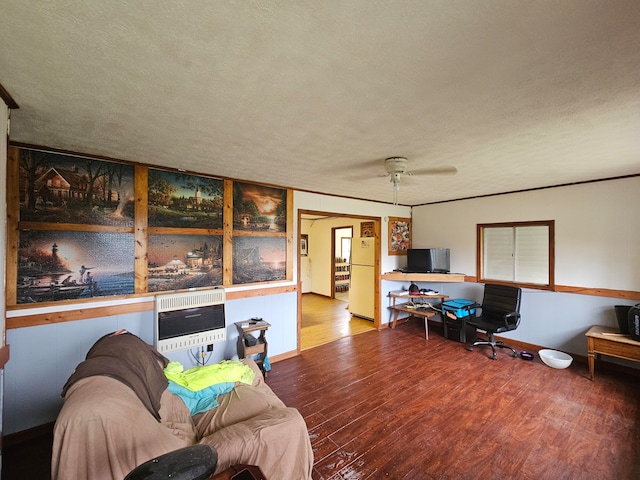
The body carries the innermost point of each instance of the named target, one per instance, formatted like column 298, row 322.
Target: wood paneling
column 141, row 247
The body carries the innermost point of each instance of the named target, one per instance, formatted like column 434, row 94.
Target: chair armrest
column 512, row 319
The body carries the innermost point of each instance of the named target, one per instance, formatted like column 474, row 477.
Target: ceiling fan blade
column 445, row 170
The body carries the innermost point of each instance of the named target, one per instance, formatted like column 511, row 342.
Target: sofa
column 118, row 413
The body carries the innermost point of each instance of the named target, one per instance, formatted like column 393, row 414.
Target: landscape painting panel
column 259, row 259
column 59, row 188
column 184, row 261
column 259, row 208
column 54, row 266
column 180, row 200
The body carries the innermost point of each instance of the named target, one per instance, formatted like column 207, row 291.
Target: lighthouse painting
column 55, row 266
column 180, row 200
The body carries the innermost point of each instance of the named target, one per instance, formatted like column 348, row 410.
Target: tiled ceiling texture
column 315, row 95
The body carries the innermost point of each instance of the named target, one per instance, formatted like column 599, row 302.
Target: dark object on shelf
column 428, row 260
column 250, row 340
column 622, row 315
column 500, row 312
column 634, row 322
column 195, row 462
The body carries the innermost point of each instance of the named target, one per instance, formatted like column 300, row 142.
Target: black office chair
column 195, row 462
column 499, row 313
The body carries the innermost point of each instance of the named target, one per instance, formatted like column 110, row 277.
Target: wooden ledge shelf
column 423, row 277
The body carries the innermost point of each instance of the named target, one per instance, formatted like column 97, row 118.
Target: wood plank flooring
column 326, row 320
column 391, row 404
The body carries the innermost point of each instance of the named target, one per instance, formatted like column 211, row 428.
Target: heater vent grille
column 185, row 300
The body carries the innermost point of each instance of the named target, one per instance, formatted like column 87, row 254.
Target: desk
column 608, row 341
column 426, row 313
column 402, row 308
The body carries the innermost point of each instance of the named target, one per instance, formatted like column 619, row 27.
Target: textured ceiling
column 315, row 95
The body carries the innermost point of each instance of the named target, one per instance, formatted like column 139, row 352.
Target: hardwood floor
column 391, row 404
column 326, row 320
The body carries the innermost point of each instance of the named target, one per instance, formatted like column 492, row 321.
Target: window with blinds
column 519, row 253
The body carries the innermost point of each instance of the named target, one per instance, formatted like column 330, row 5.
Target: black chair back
column 501, row 300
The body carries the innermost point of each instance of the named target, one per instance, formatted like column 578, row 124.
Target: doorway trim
column 377, row 222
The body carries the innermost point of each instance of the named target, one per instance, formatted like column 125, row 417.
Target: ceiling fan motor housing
column 396, row 165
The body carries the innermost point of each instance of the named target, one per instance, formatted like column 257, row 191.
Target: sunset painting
column 259, row 208
column 259, row 259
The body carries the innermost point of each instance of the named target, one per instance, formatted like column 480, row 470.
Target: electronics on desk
column 428, row 260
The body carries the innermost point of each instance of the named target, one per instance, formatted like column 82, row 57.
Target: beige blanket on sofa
column 104, row 431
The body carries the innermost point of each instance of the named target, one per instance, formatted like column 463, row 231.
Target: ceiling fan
column 398, row 167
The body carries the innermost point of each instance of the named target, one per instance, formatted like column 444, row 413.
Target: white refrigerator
column 362, row 271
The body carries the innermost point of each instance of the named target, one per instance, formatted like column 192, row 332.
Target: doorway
column 323, row 314
column 341, row 238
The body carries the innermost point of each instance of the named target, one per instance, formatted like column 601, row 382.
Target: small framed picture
column 304, row 244
column 399, row 235
column 366, row 229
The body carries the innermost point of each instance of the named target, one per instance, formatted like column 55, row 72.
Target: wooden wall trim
column 594, row 292
column 4, row 355
column 599, row 292
column 123, row 309
column 8, row 100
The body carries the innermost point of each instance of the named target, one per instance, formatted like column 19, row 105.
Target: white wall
column 597, row 232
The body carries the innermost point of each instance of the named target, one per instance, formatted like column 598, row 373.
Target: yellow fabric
column 200, row 377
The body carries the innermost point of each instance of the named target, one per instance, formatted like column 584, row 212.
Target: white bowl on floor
column 555, row 359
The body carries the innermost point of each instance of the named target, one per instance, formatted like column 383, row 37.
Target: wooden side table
column 413, row 312
column 609, row 341
column 402, row 308
column 259, row 348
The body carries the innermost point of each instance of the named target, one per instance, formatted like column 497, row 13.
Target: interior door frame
column 377, row 228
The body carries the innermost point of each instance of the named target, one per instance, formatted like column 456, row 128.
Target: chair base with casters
column 498, row 313
column 493, row 343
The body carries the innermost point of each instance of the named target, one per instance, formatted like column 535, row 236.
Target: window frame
column 480, row 228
